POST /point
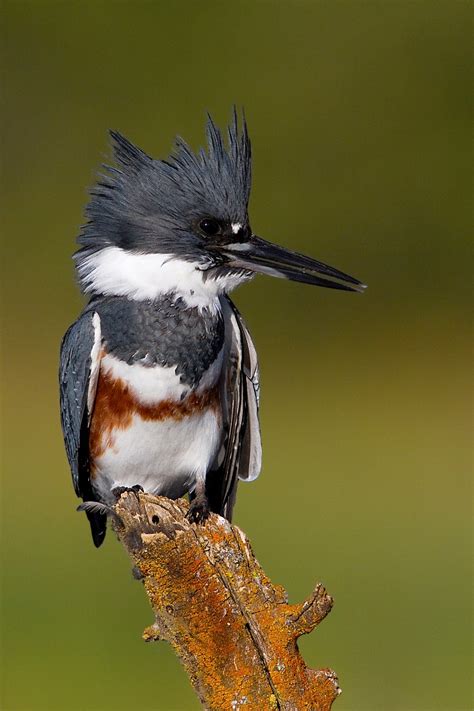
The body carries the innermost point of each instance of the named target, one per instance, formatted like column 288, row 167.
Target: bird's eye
column 210, row 226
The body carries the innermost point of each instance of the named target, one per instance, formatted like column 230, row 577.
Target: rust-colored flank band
column 115, row 406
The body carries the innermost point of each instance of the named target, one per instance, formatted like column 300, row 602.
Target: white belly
column 164, row 456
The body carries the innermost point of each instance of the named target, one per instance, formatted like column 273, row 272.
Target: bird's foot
column 119, row 490
column 198, row 510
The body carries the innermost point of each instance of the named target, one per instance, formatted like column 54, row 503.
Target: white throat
column 115, row 272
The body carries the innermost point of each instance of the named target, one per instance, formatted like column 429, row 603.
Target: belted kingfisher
column 158, row 376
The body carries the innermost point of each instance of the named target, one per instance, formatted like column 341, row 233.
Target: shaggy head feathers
column 154, row 206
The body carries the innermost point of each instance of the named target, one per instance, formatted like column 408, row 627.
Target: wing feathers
column 78, row 375
column 242, row 457
column 94, row 366
column 251, row 456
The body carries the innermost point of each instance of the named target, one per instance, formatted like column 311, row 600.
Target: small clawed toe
column 198, row 511
column 119, row 490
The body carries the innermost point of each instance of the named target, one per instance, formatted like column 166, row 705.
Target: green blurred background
column 359, row 115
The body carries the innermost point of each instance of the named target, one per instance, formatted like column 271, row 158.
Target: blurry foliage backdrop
column 359, row 117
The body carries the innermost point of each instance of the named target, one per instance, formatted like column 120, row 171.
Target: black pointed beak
column 258, row 255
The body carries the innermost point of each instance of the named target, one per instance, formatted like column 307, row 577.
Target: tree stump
column 232, row 628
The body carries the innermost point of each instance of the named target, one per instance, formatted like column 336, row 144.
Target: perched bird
column 159, row 376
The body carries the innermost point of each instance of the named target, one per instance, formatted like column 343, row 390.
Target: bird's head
column 181, row 225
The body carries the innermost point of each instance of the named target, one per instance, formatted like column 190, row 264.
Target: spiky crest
column 149, row 205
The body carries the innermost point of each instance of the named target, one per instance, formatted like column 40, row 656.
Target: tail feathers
column 97, row 515
column 98, row 523
column 220, row 502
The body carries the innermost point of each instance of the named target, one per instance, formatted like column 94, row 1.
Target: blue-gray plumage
column 74, row 379
column 158, row 376
column 162, row 332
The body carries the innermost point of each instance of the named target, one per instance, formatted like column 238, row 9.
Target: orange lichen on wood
column 232, row 628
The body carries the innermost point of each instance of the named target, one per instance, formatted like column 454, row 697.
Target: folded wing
column 241, row 457
column 78, row 374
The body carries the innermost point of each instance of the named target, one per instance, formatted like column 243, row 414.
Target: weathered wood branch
column 232, row 628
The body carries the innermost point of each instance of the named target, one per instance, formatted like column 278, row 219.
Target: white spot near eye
column 236, row 226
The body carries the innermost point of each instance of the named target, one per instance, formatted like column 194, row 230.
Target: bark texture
column 232, row 628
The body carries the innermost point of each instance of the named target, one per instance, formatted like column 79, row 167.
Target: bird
column 158, row 378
